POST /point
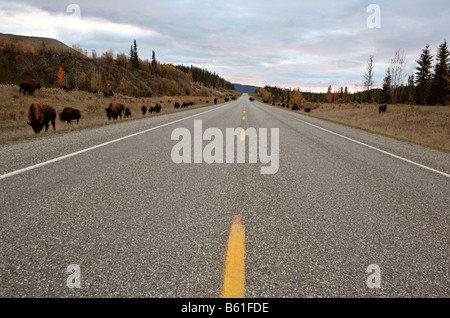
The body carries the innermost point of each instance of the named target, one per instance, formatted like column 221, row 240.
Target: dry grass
column 425, row 125
column 14, row 109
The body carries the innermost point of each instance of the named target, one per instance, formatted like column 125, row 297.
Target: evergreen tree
column 134, row 58
column 423, row 76
column 439, row 87
column 387, row 86
column 154, row 62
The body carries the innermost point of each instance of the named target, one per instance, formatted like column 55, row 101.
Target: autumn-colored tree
column 296, row 97
column 30, row 47
column 61, row 76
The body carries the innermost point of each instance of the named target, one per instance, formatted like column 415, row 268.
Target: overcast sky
column 285, row 43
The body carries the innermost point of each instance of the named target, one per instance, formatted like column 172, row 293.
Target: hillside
column 36, row 42
column 54, row 64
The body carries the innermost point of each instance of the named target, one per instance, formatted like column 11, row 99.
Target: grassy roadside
column 14, row 109
column 428, row 126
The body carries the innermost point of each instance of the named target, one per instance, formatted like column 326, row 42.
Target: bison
column 215, row 101
column 29, row 87
column 127, row 112
column 68, row 114
column 307, row 110
column 251, row 99
column 157, row 108
column 294, row 107
column 108, row 93
column 67, row 88
column 114, row 110
column 40, row 115
column 144, row 109
column 382, row 108
column 176, row 105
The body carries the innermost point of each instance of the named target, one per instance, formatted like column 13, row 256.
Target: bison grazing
column 68, row 114
column 108, row 93
column 176, row 105
column 29, row 87
column 144, row 109
column 127, row 112
column 157, row 108
column 114, row 110
column 382, row 108
column 39, row 116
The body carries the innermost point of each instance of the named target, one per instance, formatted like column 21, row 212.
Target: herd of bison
column 40, row 116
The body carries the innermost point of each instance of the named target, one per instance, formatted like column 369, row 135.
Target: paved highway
column 112, row 201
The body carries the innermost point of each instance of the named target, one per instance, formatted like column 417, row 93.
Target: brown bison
column 176, row 105
column 215, row 101
column 251, row 99
column 382, row 108
column 294, row 107
column 108, row 93
column 127, row 112
column 68, row 114
column 307, row 110
column 157, row 108
column 144, row 109
column 39, row 116
column 114, row 110
column 29, row 87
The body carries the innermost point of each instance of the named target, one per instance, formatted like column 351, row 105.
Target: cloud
column 289, row 42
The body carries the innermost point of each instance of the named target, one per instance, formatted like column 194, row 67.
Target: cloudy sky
column 285, row 43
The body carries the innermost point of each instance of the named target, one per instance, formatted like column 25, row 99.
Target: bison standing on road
column 40, row 115
column 114, row 110
column 68, row 114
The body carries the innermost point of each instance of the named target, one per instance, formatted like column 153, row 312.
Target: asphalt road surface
column 112, row 201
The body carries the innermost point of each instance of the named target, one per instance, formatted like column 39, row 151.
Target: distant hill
column 36, row 42
column 248, row 89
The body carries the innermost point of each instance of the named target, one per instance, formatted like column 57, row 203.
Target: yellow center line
column 243, row 118
column 234, row 274
column 242, row 134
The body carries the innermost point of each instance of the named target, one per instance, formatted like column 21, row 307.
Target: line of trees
column 428, row 85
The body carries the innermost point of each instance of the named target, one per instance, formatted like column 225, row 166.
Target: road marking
column 372, row 147
column 243, row 118
column 16, row 172
column 242, row 134
column 380, row 150
column 234, row 274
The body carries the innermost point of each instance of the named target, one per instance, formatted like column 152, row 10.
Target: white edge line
column 374, row 148
column 16, row 172
column 380, row 150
